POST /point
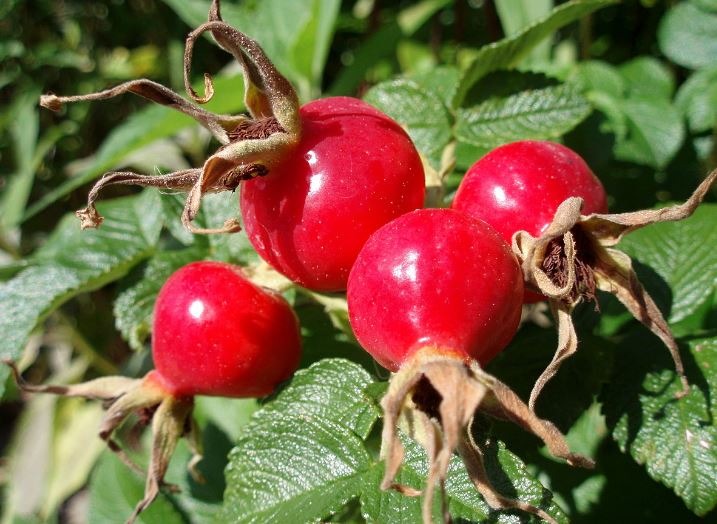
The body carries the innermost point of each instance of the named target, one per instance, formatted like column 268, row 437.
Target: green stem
column 80, row 343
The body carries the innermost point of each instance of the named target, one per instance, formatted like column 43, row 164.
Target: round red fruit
column 519, row 186
column 434, row 278
column 216, row 333
column 354, row 170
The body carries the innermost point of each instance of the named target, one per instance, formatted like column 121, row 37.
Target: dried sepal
column 433, row 399
column 578, row 250
column 250, row 145
column 171, row 420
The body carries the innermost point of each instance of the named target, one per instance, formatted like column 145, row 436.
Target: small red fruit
column 519, row 186
column 353, row 171
column 432, row 294
column 544, row 199
column 434, row 278
column 215, row 333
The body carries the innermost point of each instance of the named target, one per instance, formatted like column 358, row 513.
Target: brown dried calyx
column 576, row 255
column 433, row 399
column 171, row 419
column 250, row 145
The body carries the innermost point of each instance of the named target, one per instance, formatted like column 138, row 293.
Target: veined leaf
column 537, row 114
column 302, row 456
column 683, row 254
column 675, row 440
column 508, row 52
column 73, row 262
column 307, row 452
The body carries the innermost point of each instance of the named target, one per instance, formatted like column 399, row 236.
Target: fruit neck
column 555, row 264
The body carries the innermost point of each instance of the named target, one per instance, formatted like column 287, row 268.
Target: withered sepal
column 433, row 399
column 588, row 261
column 171, row 418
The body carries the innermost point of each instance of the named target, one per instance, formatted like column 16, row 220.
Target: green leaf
column 382, row 44
column 73, row 262
column 707, row 5
column 140, row 130
column 697, row 99
column 676, row 440
column 595, row 75
column 215, row 210
column 684, row 258
column 688, row 36
column 655, row 131
column 541, row 113
column 75, row 449
column 420, row 111
column 391, row 506
column 506, row 471
column 440, row 81
column 510, row 477
column 302, row 455
column 515, row 16
column 133, row 307
column 508, row 52
column 24, row 129
column 115, row 490
column 307, row 452
column 648, row 77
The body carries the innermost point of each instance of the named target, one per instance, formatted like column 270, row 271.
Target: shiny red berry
column 354, row 170
column 434, row 278
column 216, row 333
column 519, row 186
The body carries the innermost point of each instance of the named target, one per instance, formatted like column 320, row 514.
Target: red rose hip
column 216, row 333
column 432, row 294
column 434, row 278
column 353, row 170
column 519, row 186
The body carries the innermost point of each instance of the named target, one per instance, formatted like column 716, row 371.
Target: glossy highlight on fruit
column 519, row 186
column 353, row 171
column 434, row 278
column 216, row 333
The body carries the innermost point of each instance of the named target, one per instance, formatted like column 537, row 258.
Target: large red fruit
column 353, row 171
column 519, row 186
column 434, row 278
column 431, row 295
column 216, row 333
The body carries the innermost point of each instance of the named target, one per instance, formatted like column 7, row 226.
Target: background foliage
column 631, row 86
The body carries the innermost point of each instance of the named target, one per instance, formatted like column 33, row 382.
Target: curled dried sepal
column 250, row 145
column 433, row 398
column 171, row 420
column 585, row 260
